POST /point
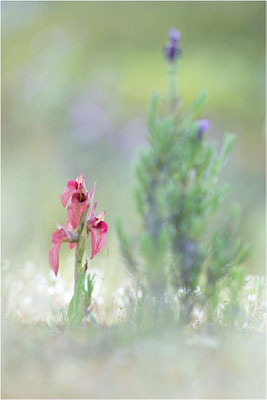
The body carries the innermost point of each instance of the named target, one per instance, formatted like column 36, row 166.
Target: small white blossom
column 252, row 298
column 27, row 300
column 100, row 300
column 51, row 290
column 121, row 291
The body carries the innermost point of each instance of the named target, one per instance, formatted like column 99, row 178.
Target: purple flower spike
column 171, row 52
column 203, row 126
column 172, row 49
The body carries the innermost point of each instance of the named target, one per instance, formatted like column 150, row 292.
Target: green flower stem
column 80, row 248
column 173, row 69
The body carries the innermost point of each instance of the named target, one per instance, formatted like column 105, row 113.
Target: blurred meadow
column 76, row 81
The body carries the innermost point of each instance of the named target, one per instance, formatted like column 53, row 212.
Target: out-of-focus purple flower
column 203, row 126
column 174, row 35
column 172, row 49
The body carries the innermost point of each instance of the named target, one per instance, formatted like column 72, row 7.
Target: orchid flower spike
column 79, row 203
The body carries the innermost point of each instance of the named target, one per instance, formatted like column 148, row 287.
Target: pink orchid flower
column 58, row 237
column 98, row 228
column 76, row 199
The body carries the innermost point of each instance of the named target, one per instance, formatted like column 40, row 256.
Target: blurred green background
column 76, row 80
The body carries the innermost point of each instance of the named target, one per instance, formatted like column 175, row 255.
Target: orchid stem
column 76, row 273
column 79, row 257
column 80, row 248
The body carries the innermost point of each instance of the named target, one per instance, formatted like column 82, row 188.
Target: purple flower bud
column 174, row 35
column 203, row 126
column 172, row 47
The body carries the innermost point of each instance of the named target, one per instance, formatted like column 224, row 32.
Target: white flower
column 51, row 290
column 99, row 300
column 121, row 291
column 27, row 300
column 252, row 298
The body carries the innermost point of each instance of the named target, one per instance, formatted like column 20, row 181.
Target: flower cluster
column 172, row 49
column 81, row 213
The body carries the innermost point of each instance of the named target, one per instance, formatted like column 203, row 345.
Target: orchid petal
column 101, row 216
column 92, row 213
column 92, row 218
column 72, row 235
column 58, row 237
column 71, row 188
column 80, row 181
column 98, row 237
column 92, row 194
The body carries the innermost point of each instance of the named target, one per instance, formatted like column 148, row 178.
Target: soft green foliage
column 177, row 193
column 74, row 310
column 227, row 252
column 81, row 300
column 126, row 248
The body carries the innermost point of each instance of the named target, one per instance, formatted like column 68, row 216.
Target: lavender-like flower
column 172, row 49
column 174, row 35
column 203, row 126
